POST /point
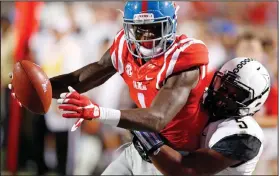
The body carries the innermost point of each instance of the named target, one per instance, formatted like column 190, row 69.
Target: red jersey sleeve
column 186, row 53
column 114, row 49
column 193, row 54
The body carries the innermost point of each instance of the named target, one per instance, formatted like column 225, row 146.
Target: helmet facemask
column 149, row 38
column 228, row 97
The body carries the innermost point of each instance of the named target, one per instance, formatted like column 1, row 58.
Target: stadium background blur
column 74, row 34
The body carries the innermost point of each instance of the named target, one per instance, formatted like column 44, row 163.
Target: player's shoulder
column 118, row 42
column 247, row 124
column 189, row 44
column 120, row 36
column 189, row 53
column 234, row 127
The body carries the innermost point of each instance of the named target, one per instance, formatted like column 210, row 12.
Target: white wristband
column 109, row 116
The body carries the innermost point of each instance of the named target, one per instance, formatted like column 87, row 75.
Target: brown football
column 32, row 87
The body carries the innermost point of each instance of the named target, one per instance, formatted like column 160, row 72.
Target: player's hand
column 10, row 86
column 75, row 105
column 149, row 141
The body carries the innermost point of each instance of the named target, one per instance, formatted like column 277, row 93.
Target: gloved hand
column 10, row 86
column 75, row 105
column 149, row 141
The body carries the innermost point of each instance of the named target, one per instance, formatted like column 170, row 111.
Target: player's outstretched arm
column 84, row 78
column 229, row 151
column 169, row 101
column 202, row 161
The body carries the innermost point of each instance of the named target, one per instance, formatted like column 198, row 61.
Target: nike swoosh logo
column 148, row 79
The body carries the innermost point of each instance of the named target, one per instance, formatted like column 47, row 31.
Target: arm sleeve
column 241, row 147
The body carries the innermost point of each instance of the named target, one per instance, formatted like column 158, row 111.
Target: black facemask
column 226, row 96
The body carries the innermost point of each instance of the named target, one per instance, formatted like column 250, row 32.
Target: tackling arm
column 168, row 102
column 230, row 150
column 84, row 78
column 202, row 161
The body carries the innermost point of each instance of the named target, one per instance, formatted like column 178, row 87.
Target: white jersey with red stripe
column 145, row 80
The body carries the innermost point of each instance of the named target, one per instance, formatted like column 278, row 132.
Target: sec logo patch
column 129, row 70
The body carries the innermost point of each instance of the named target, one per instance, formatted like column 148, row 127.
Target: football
column 32, row 87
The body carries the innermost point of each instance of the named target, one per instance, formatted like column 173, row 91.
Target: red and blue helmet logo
column 159, row 9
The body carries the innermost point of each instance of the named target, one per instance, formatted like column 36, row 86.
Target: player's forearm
column 93, row 77
column 153, row 119
column 81, row 80
column 141, row 119
column 202, row 161
column 60, row 83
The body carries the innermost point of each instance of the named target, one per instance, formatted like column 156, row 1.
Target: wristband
column 109, row 116
column 150, row 141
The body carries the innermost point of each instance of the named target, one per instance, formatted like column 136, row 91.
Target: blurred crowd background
column 73, row 34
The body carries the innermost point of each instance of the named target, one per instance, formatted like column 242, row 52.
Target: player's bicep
column 174, row 94
column 102, row 68
column 94, row 74
column 88, row 70
column 106, row 60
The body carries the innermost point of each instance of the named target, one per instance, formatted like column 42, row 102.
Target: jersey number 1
column 141, row 100
column 242, row 123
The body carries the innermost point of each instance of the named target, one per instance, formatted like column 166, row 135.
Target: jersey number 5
column 242, row 123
